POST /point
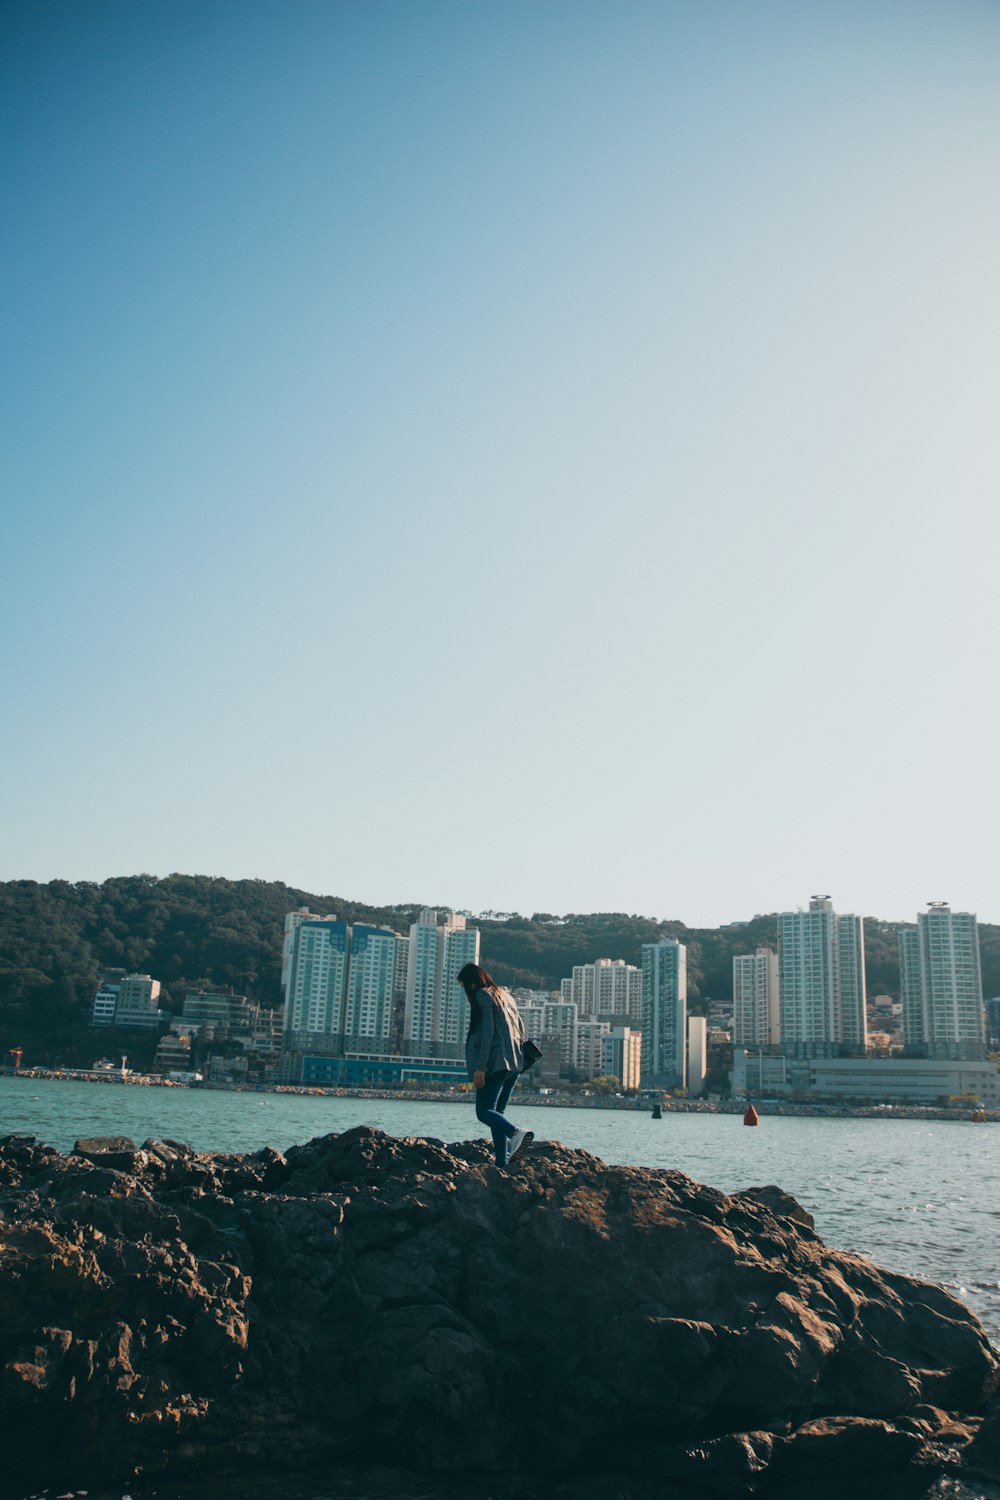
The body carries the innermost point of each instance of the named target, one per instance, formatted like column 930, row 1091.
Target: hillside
column 194, row 931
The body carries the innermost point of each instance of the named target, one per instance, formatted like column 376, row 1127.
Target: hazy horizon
column 546, row 454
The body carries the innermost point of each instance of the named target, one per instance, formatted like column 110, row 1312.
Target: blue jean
column 491, row 1101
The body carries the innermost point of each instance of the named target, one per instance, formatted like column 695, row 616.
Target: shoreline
column 765, row 1109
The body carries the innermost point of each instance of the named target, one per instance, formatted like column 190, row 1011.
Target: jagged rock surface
column 574, row 1327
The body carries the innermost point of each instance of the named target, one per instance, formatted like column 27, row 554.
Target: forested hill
column 192, row 931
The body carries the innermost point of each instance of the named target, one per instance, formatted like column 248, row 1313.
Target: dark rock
column 780, row 1202
column 569, row 1328
column 97, row 1145
column 983, row 1456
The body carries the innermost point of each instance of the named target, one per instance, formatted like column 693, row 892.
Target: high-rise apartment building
column 316, row 992
column 756, row 1019
column 617, row 990
column 664, row 1014
column 821, row 982
column 342, row 986
column 371, row 989
column 609, row 989
column 942, row 986
column 437, row 1012
column 293, row 920
column 581, row 990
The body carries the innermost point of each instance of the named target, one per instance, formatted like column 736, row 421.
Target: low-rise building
column 869, row 1080
column 374, row 1070
column 136, row 1003
column 106, row 998
column 173, row 1050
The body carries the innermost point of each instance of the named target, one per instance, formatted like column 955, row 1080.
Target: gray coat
column 497, row 1046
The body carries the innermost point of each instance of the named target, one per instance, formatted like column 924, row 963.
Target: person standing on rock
column 494, row 1056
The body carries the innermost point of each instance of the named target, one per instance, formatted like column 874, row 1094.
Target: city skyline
column 363, row 1004
column 563, row 432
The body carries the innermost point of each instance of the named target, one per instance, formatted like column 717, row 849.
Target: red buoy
column 750, row 1118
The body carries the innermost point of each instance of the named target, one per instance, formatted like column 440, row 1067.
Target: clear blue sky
column 514, row 455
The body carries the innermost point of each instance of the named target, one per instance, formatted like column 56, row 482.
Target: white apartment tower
column 293, row 921
column 821, row 982
column 756, row 1018
column 437, row 1013
column 316, row 992
column 942, row 986
column 371, row 989
column 609, row 988
column 664, row 1014
column 581, row 990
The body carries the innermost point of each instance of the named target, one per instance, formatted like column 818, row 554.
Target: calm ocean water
column 916, row 1196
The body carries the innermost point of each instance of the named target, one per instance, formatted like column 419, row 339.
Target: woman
column 494, row 1057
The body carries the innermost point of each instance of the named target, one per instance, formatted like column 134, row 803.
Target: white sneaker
column 519, row 1141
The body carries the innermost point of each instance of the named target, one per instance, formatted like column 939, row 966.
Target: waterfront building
column 173, row 1051
column 821, row 982
column 136, row 1003
column 942, row 985
column 664, row 1014
column 871, row 1080
column 371, row 989
column 316, row 993
column 697, row 1054
column 436, row 1016
column 756, row 1017
column 623, row 1056
column 371, row 1070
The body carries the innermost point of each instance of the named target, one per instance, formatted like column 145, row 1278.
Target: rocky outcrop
column 568, row 1328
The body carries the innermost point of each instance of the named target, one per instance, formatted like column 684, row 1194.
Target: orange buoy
column 750, row 1118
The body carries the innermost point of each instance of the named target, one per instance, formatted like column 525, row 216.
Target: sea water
column 917, row 1196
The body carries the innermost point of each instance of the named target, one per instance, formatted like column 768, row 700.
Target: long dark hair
column 473, row 979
